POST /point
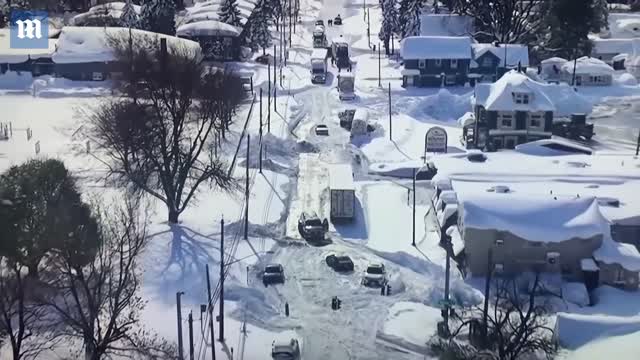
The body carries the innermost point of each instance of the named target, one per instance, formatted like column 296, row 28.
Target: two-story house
column 219, row 41
column 435, row 60
column 512, row 111
column 491, row 61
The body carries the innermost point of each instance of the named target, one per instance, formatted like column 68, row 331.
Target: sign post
column 435, row 140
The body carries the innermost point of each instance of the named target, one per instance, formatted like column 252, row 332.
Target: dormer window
column 521, row 98
column 422, row 64
column 438, row 62
column 454, row 63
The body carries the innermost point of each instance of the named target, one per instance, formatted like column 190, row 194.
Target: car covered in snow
column 339, row 263
column 337, row 20
column 375, row 275
column 322, row 130
column 285, row 350
column 311, row 227
column 273, row 274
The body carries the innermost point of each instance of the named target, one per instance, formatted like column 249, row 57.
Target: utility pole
column 275, row 55
column 221, row 310
column 390, row 129
column 487, row 289
column 447, row 268
column 379, row 67
column 638, row 144
column 269, row 108
column 414, row 208
column 191, row 355
column 179, row 313
column 210, row 308
column 368, row 28
column 275, row 96
column 246, row 193
column 260, row 132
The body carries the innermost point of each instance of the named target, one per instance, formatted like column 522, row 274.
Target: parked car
column 320, row 22
column 273, row 274
column 265, row 59
column 375, row 275
column 311, row 227
column 337, row 20
column 322, row 130
column 339, row 263
column 285, row 350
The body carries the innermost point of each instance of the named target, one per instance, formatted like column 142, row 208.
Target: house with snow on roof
column 516, row 109
column 588, row 71
column 35, row 61
column 491, row 61
column 435, row 60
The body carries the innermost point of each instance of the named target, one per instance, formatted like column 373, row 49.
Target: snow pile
column 10, row 55
column 207, row 28
column 623, row 347
column 515, row 53
column 575, row 292
column 411, row 322
column 535, row 218
column 552, row 147
column 589, row 66
column 575, row 330
column 90, row 44
column 12, row 80
column 612, row 252
column 435, row 47
column 441, row 106
column 446, row 25
column 627, row 79
column 559, row 98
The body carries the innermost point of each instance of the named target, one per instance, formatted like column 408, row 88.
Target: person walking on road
column 330, row 22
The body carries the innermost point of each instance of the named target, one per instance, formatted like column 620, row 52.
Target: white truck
column 319, row 66
column 346, row 86
column 343, row 193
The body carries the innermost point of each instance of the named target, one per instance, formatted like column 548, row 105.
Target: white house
column 551, row 69
column 588, row 72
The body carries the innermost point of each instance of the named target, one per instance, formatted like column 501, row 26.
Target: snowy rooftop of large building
column 341, row 177
column 207, row 28
column 535, row 218
column 515, row 53
column 435, row 47
column 560, row 98
column 611, row 252
column 588, row 65
column 9, row 55
column 445, row 25
column 90, row 44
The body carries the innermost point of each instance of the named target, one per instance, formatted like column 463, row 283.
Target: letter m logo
column 29, row 30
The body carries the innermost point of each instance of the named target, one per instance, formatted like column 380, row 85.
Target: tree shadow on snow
column 357, row 229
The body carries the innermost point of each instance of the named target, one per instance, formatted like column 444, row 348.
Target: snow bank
column 11, row 80
column 551, row 147
column 575, row 330
column 575, row 292
column 535, row 218
column 623, row 347
column 442, row 106
column 412, row 322
column 626, row 79
column 515, row 53
column 207, row 28
column 612, row 252
column 588, row 65
column 435, row 47
column 90, row 44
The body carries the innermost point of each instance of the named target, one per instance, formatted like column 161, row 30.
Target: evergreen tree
column 389, row 22
column 257, row 33
column 158, row 16
column 129, row 17
column 229, row 13
column 569, row 23
column 411, row 19
column 601, row 15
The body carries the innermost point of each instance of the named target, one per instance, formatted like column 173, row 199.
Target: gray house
column 491, row 61
column 435, row 60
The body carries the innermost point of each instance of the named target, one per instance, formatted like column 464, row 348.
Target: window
column 487, row 62
column 499, row 242
column 498, row 268
column 497, row 143
column 535, row 244
column 422, row 64
column 597, row 79
column 510, row 142
column 520, row 98
column 438, row 62
column 619, row 276
column 454, row 63
column 535, row 121
column 505, row 120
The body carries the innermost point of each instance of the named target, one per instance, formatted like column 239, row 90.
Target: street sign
column 435, row 140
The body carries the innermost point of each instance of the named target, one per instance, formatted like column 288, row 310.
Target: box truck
column 343, row 193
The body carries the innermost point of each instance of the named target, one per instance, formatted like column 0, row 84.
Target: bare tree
column 157, row 137
column 98, row 302
column 516, row 325
column 505, row 21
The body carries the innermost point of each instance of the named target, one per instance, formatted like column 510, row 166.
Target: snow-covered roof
column 111, row 9
column 588, row 65
column 319, row 54
column 554, row 60
column 456, row 239
column 550, row 147
column 623, row 25
column 588, row 264
column 467, row 119
column 90, row 44
column 612, row 252
column 208, row 10
column 445, row 25
column 575, row 330
column 9, row 55
column 612, row 46
column 535, row 218
column 435, row 47
column 559, row 98
column 516, row 53
column 207, row 28
column 341, row 177
column 340, row 40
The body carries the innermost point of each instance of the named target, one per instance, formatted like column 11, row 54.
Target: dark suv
column 273, row 274
column 339, row 263
column 311, row 227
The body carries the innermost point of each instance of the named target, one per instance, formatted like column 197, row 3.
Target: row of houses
column 508, row 234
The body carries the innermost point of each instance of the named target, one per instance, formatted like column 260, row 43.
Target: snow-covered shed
column 84, row 53
column 551, row 69
column 446, row 25
column 489, row 59
column 107, row 14
column 36, row 61
column 435, row 60
column 619, row 264
column 588, row 72
column 530, row 233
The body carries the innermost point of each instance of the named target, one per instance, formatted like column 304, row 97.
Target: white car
column 285, row 350
column 322, row 130
column 375, row 275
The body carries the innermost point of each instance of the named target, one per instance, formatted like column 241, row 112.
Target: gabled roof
column 499, row 95
column 535, row 218
column 446, row 25
column 625, row 255
column 208, row 10
column 588, row 65
column 207, row 28
column 515, row 53
column 435, row 47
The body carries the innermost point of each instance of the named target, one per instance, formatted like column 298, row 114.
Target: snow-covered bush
column 627, row 79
